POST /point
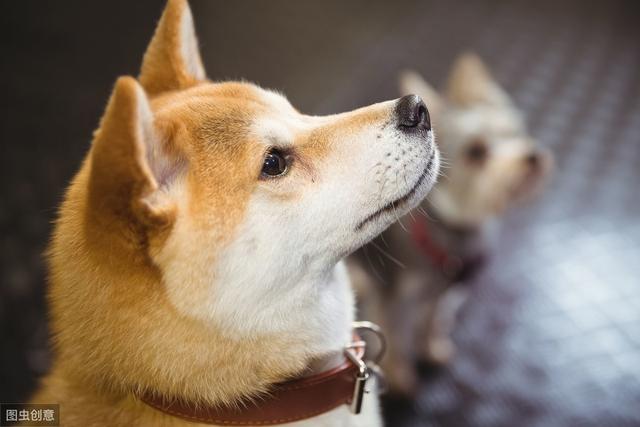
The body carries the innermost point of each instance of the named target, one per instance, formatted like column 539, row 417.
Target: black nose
column 412, row 113
column 533, row 160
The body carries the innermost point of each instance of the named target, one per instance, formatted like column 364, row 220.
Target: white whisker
column 388, row 255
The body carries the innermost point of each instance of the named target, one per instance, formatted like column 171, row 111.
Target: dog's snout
column 412, row 113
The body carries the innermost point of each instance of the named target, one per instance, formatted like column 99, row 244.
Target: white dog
column 410, row 279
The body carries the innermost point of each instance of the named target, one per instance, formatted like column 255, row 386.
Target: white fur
column 282, row 272
column 474, row 107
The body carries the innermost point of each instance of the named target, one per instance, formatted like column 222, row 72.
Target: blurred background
column 552, row 334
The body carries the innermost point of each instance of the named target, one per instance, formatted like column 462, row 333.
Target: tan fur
column 105, row 291
column 109, row 310
column 172, row 60
column 168, row 180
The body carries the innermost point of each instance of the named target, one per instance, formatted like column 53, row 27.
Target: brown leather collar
column 286, row 402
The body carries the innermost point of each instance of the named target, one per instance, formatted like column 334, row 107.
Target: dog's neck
column 458, row 251
column 227, row 368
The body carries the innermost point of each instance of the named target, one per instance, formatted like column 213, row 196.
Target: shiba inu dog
column 411, row 277
column 196, row 265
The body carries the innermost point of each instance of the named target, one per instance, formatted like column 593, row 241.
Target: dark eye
column 275, row 164
column 477, row 152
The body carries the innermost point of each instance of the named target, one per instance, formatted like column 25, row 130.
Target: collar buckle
column 365, row 369
column 362, row 376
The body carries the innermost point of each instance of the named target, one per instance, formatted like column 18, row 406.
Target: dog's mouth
column 402, row 200
column 529, row 186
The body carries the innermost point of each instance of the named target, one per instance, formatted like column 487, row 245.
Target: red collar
column 285, row 402
column 436, row 254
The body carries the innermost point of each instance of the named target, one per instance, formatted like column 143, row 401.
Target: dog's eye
column 477, row 152
column 275, row 164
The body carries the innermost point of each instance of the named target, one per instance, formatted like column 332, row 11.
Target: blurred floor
column 552, row 334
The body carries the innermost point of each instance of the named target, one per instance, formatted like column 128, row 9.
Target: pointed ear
column 410, row 82
column 470, row 82
column 172, row 60
column 130, row 161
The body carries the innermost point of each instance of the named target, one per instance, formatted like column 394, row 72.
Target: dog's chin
column 528, row 188
column 381, row 218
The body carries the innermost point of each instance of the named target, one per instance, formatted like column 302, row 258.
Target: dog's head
column 493, row 161
column 237, row 205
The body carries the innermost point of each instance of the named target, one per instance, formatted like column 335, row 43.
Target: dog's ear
column 410, row 82
column 172, row 60
column 130, row 161
column 470, row 82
